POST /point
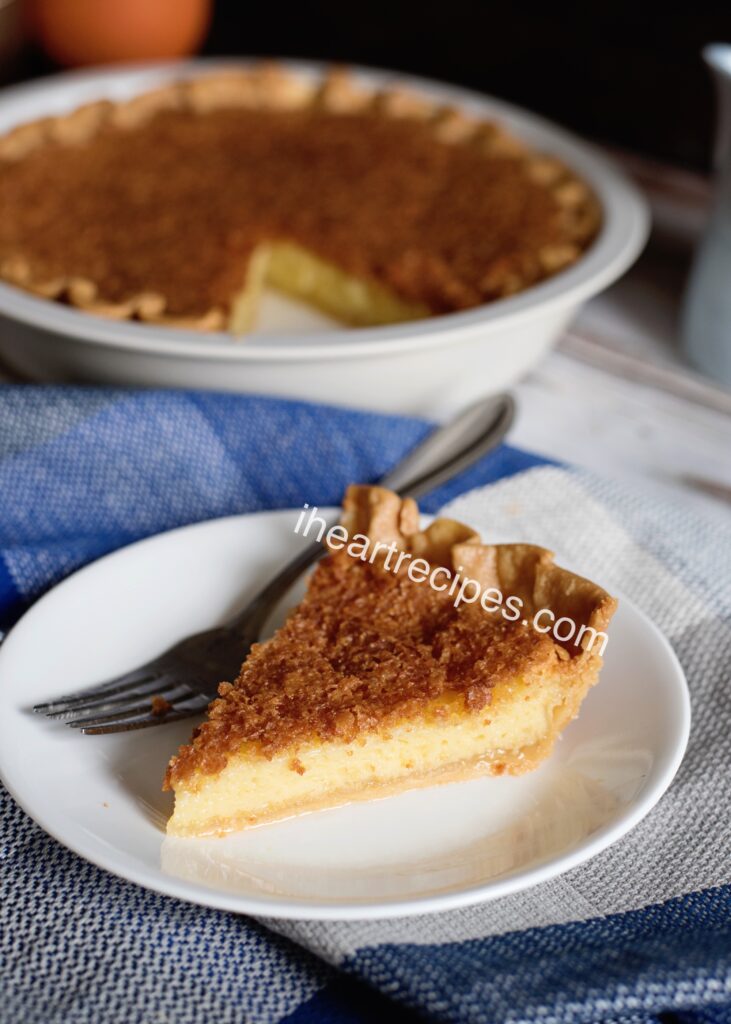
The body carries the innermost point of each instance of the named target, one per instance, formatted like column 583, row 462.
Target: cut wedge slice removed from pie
column 384, row 678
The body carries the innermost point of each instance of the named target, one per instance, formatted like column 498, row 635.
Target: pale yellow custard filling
column 445, row 743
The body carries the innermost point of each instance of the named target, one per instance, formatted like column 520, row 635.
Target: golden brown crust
column 525, row 571
column 464, row 215
column 368, row 647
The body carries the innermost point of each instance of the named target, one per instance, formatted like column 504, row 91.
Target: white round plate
column 428, row 850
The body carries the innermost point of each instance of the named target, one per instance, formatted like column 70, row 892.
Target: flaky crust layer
column 272, row 88
column 525, row 571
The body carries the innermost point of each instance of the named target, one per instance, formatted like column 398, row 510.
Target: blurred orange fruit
column 75, row 32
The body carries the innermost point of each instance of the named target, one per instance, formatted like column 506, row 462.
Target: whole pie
column 380, row 680
column 179, row 205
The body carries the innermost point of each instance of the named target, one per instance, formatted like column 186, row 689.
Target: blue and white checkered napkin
column 640, row 934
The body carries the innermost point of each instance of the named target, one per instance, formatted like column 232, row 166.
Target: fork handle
column 449, row 450
column 453, row 447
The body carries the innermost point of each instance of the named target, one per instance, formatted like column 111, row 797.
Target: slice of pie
column 384, row 678
column 177, row 206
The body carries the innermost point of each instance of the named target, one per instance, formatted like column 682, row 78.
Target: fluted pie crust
column 377, row 684
column 377, row 205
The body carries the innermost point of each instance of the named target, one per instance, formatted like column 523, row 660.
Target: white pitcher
column 707, row 309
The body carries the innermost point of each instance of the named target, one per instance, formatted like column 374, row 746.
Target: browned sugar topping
column 175, row 206
column 367, row 647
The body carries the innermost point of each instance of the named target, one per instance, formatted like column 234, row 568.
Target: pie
column 381, row 680
column 376, row 205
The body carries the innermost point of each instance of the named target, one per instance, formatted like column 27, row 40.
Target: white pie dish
column 422, row 366
column 101, row 796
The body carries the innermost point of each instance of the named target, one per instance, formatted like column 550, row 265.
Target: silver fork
column 185, row 678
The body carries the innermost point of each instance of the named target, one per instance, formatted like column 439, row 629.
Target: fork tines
column 127, row 702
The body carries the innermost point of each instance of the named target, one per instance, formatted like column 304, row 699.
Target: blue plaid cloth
column 83, row 471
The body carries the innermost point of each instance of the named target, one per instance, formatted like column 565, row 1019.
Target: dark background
column 622, row 73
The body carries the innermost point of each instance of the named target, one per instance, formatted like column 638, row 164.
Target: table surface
column 617, row 395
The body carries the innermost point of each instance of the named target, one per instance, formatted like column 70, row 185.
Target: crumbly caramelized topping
column 155, row 213
column 367, row 647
